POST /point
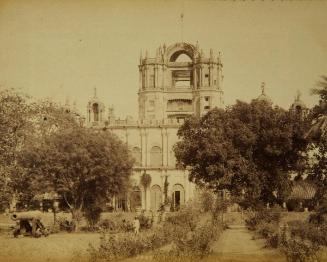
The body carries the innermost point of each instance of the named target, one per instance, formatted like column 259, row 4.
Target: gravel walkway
column 237, row 244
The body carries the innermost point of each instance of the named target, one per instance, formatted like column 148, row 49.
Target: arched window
column 135, row 198
column 95, row 109
column 136, row 153
column 156, row 156
column 183, row 58
column 156, row 197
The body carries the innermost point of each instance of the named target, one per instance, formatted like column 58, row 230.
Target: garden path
column 237, row 244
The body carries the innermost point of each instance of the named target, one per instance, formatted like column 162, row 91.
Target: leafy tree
column 318, row 136
column 82, row 165
column 321, row 91
column 43, row 119
column 248, row 149
column 14, row 112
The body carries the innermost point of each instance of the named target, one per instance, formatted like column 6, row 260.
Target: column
column 218, row 76
column 143, row 149
column 194, row 78
column 148, row 198
column 146, row 135
column 140, row 78
column 146, row 76
column 211, row 75
column 156, row 77
column 202, row 75
column 186, row 187
column 167, row 146
column 164, row 146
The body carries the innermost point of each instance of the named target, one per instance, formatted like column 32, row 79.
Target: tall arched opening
column 178, row 196
column 156, row 198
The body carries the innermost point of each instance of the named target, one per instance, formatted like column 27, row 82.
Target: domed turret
column 298, row 107
column 95, row 110
column 263, row 96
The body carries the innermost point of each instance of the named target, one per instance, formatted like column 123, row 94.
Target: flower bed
column 189, row 238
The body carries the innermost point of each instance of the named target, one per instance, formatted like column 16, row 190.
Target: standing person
column 136, row 226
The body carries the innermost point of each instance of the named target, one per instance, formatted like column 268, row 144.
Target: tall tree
column 82, row 165
column 318, row 136
column 42, row 119
column 247, row 148
column 14, row 112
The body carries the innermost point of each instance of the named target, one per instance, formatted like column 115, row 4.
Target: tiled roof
column 303, row 190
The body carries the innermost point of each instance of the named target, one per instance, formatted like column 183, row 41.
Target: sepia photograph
column 163, row 130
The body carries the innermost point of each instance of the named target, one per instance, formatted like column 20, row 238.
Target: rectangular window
column 207, row 98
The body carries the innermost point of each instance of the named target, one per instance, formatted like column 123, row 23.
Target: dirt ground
column 56, row 247
column 235, row 244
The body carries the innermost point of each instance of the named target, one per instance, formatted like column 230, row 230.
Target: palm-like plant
column 145, row 182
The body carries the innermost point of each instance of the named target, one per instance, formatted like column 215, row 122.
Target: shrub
column 303, row 230
column 186, row 217
column 65, row 224
column 298, row 250
column 145, row 222
column 115, row 247
column 191, row 246
column 269, row 231
column 263, row 215
column 116, row 225
column 92, row 215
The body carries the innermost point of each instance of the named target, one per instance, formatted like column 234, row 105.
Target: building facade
column 178, row 82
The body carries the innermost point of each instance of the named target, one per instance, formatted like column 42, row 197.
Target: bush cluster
column 298, row 240
column 265, row 222
column 115, row 225
column 189, row 238
column 298, row 249
column 191, row 246
column 119, row 246
column 145, row 222
column 186, row 218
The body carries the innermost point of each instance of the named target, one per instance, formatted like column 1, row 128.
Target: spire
column 211, row 54
column 298, row 95
column 141, row 57
column 67, row 101
column 182, row 20
column 219, row 58
column 263, row 96
column 74, row 106
column 263, row 84
column 95, row 92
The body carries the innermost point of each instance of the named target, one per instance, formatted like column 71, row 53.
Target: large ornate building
column 178, row 82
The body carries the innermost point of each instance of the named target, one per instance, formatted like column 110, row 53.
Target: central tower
column 179, row 81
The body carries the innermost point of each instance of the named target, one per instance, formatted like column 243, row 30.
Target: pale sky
column 64, row 48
